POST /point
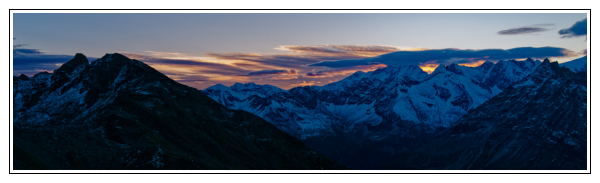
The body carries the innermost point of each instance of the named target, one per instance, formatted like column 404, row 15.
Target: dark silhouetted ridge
column 61, row 75
column 118, row 113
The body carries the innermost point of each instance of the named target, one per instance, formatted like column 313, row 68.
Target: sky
column 292, row 49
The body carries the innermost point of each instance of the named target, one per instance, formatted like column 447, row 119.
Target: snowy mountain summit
column 230, row 96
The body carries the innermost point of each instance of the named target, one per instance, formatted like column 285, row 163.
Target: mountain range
column 367, row 119
column 116, row 113
column 538, row 123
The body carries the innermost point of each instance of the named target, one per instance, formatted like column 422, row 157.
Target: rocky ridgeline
column 118, row 113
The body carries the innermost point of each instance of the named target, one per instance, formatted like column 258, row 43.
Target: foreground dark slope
column 538, row 123
column 117, row 113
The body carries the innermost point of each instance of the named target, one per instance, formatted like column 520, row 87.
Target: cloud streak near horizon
column 302, row 66
column 449, row 56
column 270, row 72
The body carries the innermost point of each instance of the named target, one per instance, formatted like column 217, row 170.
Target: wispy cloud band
column 525, row 30
column 270, row 72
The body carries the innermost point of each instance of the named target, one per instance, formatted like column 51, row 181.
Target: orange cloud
column 570, row 53
column 429, row 66
column 473, row 64
column 346, row 50
column 303, row 83
column 284, row 77
column 165, row 54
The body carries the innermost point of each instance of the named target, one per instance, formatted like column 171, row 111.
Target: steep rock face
column 117, row 113
column 368, row 118
column 66, row 71
column 538, row 123
column 504, row 74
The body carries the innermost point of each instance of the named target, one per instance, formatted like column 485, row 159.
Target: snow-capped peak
column 230, row 96
column 440, row 69
column 392, row 73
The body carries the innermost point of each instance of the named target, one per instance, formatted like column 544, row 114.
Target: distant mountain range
column 118, row 113
column 367, row 119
